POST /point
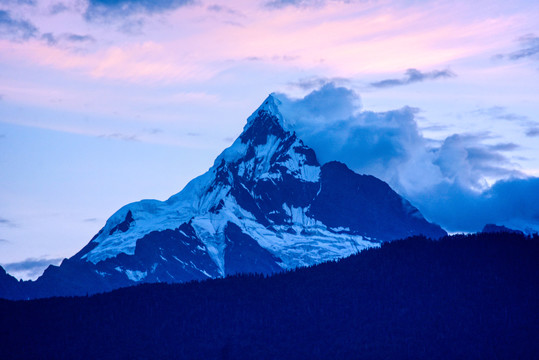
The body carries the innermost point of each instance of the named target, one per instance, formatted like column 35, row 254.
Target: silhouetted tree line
column 463, row 297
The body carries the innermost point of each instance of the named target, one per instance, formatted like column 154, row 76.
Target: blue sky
column 103, row 103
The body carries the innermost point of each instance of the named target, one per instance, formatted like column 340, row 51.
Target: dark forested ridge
column 463, row 297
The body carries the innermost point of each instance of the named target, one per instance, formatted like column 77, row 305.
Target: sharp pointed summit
column 265, row 205
column 271, row 107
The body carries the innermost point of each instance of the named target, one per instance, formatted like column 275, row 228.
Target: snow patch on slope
column 296, row 164
column 135, row 275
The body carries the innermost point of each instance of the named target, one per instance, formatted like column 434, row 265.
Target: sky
column 103, row 103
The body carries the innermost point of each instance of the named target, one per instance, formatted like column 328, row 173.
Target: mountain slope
column 265, row 205
column 9, row 285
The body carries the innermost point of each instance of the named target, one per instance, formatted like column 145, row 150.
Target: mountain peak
column 271, row 107
column 266, row 121
column 265, row 205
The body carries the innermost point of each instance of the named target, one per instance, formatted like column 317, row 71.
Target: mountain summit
column 265, row 205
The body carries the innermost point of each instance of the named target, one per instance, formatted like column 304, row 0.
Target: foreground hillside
column 463, row 297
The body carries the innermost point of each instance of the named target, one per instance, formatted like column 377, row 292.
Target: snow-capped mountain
column 265, row 205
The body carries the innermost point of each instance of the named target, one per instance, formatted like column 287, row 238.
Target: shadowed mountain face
column 9, row 285
column 265, row 205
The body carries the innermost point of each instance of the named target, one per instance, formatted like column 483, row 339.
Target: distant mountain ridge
column 493, row 228
column 265, row 205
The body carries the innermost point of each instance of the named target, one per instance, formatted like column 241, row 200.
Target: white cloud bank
column 448, row 180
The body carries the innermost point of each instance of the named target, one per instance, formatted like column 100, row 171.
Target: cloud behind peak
column 448, row 180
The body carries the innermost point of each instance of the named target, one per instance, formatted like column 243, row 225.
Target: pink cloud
column 146, row 62
column 339, row 39
column 347, row 42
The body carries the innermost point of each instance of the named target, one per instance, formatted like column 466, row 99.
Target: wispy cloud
column 279, row 4
column 317, row 82
column 49, row 38
column 53, row 40
column 79, row 38
column 7, row 223
column 274, row 58
column 58, row 8
column 132, row 26
column 531, row 128
column 500, row 113
column 435, row 127
column 15, row 29
column 4, row 241
column 147, row 62
column 98, row 9
column 153, row 131
column 224, row 9
column 18, row 2
column 413, row 76
column 120, row 136
column 533, row 131
column 509, row 146
column 529, row 48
